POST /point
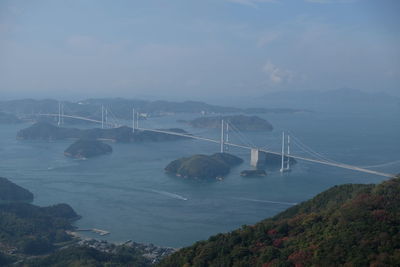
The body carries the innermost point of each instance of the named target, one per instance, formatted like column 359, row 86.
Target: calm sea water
column 128, row 193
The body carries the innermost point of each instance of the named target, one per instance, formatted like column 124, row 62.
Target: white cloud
column 277, row 75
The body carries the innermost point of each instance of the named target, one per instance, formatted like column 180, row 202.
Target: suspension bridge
column 108, row 120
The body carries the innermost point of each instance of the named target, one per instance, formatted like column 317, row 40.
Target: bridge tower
column 287, row 168
column 283, row 152
column 133, row 120
column 102, row 116
column 106, row 117
column 288, row 153
column 60, row 114
column 227, row 135
column 222, row 136
column 137, row 120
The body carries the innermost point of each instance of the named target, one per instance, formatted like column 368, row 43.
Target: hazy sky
column 197, row 48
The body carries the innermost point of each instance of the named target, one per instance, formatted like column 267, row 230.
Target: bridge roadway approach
column 223, row 143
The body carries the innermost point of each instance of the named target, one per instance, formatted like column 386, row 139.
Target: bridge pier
column 257, row 157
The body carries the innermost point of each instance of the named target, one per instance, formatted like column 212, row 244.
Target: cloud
column 252, row 3
column 266, row 39
column 276, row 74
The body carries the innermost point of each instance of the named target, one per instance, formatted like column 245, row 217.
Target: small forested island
column 10, row 192
column 48, row 131
column 253, row 173
column 84, row 148
column 347, row 225
column 240, row 122
column 8, row 118
column 203, row 166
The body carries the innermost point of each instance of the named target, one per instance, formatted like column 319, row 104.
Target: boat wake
column 168, row 194
column 266, row 201
column 60, row 167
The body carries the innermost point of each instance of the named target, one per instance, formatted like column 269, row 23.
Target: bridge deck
column 339, row 165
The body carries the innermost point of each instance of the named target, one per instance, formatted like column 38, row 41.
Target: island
column 83, row 149
column 253, row 173
column 10, row 192
column 239, row 122
column 203, row 166
column 48, row 131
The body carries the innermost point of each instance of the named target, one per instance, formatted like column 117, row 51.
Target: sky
column 197, row 49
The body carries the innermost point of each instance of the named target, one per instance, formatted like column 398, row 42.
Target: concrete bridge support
column 257, row 157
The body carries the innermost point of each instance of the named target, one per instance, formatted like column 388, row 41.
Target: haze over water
column 128, row 193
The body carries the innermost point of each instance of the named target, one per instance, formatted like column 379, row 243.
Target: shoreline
column 149, row 251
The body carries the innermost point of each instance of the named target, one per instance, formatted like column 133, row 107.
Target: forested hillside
column 352, row 225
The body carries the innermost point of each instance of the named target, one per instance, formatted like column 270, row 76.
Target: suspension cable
column 311, row 151
column 243, row 138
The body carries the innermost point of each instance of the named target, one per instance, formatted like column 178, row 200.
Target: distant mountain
column 340, row 99
column 121, row 108
column 47, row 131
column 347, row 225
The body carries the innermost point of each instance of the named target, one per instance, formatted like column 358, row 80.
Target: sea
column 128, row 193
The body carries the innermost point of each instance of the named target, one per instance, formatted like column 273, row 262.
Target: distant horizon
column 76, row 98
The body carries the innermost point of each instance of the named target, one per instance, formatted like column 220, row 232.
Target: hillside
column 347, row 225
column 32, row 230
column 39, row 236
column 10, row 192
